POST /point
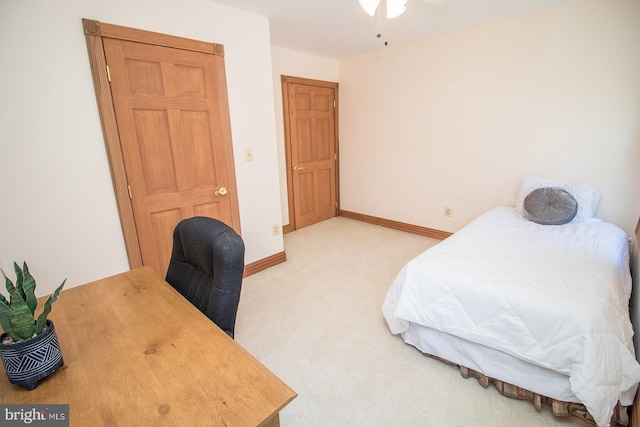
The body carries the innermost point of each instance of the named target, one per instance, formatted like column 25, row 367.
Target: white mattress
column 553, row 297
column 493, row 363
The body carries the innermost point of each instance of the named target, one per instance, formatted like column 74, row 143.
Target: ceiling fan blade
column 369, row 6
column 395, row 8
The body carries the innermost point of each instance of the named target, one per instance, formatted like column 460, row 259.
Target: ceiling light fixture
column 395, row 8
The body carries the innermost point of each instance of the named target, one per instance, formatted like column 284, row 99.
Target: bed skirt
column 576, row 411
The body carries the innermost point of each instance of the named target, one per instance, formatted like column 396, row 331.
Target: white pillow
column 588, row 197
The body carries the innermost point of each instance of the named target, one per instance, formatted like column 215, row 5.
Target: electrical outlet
column 248, row 154
column 448, row 211
column 275, row 229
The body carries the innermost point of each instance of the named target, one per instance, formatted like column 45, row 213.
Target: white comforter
column 554, row 296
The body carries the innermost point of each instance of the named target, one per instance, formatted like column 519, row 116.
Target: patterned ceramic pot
column 28, row 362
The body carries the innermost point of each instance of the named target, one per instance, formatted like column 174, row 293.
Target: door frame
column 94, row 32
column 286, row 81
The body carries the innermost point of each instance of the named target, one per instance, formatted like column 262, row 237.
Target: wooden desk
column 137, row 353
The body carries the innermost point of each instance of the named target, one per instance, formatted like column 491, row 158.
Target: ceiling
column 340, row 28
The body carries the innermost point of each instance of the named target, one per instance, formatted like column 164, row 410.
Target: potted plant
column 29, row 346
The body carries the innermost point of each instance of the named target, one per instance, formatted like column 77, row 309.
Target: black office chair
column 206, row 267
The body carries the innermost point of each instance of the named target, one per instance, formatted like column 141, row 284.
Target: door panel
column 306, row 194
column 156, row 155
column 207, row 209
column 162, row 221
column 325, row 181
column 173, row 124
column 313, row 153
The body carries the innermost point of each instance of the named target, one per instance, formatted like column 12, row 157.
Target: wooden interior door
column 312, row 150
column 173, row 122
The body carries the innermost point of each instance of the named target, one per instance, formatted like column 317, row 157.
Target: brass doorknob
column 221, row 191
column 298, row 168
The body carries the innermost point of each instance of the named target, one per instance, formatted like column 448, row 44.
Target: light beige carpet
column 315, row 321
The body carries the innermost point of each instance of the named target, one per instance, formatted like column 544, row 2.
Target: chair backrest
column 206, row 267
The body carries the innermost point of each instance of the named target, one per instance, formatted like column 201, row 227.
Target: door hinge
column 334, row 103
column 129, row 191
column 108, row 74
column 335, row 156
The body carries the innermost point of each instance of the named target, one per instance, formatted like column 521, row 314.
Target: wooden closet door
column 313, row 153
column 173, row 121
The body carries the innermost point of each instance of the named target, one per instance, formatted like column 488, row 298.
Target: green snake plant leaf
column 5, row 311
column 4, row 300
column 8, row 284
column 5, row 316
column 19, row 326
column 19, row 280
column 42, row 319
column 21, row 317
column 28, row 287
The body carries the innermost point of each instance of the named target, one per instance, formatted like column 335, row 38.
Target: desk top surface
column 137, row 353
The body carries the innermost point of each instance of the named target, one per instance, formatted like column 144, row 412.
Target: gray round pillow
column 550, row 206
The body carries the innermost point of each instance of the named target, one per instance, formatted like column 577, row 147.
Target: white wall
column 294, row 64
column 458, row 120
column 58, row 207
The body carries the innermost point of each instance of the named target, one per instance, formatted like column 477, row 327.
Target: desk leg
column 274, row 421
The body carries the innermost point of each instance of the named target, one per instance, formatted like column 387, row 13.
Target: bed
column 535, row 304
